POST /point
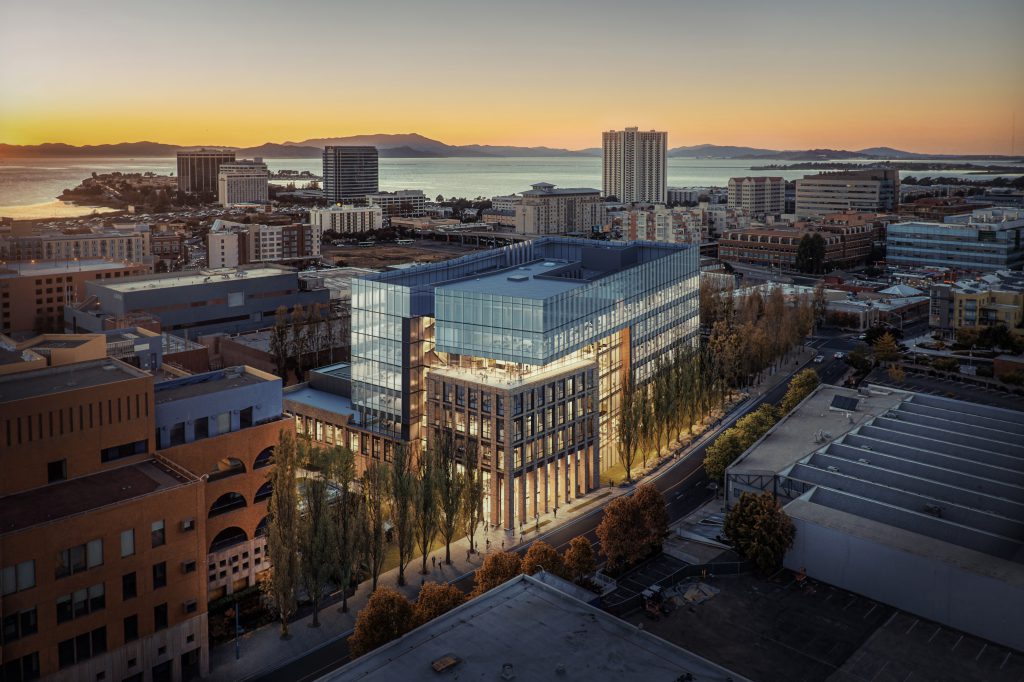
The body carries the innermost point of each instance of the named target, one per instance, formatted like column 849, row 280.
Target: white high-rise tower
column 635, row 165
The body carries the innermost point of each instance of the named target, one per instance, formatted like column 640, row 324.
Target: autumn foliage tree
column 886, row 349
column 651, row 505
column 497, row 568
column 436, row 599
column 800, row 386
column 387, row 615
column 760, row 530
column 542, row 556
column 579, row 559
column 633, row 526
column 734, row 441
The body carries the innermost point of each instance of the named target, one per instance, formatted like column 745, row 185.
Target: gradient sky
column 925, row 75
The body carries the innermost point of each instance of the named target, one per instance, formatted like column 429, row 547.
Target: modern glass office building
column 521, row 353
column 985, row 240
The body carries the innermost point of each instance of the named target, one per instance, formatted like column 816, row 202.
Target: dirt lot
column 378, row 257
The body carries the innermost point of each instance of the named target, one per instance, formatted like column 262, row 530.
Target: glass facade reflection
column 527, row 305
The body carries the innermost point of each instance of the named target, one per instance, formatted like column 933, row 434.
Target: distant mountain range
column 414, row 145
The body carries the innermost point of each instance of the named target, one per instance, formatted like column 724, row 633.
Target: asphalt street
column 683, row 483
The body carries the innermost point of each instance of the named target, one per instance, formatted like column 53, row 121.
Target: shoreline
column 55, row 209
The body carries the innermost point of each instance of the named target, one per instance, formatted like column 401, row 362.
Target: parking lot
column 639, row 579
column 785, row 630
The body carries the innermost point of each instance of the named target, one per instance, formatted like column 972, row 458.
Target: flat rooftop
column 48, row 268
column 541, row 633
column 53, row 380
column 520, row 281
column 79, row 495
column 935, row 476
column 308, row 396
column 190, row 279
column 208, row 382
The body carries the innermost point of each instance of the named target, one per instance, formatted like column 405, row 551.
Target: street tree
column 886, row 349
column 650, row 506
column 618, row 533
column 723, row 452
column 820, row 305
column 376, row 496
column 896, row 373
column 387, row 615
column 348, row 515
column 402, row 491
column 800, row 386
column 629, row 428
column 283, row 530
column 318, row 551
column 760, row 530
column 436, row 599
column 426, row 501
column 542, row 556
column 579, row 559
column 472, row 494
column 451, row 483
column 498, row 567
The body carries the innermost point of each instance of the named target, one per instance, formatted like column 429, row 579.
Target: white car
column 838, row 356
column 820, row 359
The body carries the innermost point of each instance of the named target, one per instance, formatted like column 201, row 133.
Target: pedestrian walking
column 433, row 561
column 502, row 545
column 488, row 544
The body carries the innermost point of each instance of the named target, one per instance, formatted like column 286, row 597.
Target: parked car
column 838, row 356
column 819, row 359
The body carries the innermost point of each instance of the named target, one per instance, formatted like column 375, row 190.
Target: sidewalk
column 263, row 649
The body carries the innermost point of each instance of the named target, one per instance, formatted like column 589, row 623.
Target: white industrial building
column 910, row 499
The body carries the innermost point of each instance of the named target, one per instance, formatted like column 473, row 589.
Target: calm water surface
column 29, row 187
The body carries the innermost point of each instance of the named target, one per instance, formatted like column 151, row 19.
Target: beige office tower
column 635, row 165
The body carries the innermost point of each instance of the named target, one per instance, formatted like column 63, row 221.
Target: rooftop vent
column 518, row 278
column 445, row 662
column 508, row 672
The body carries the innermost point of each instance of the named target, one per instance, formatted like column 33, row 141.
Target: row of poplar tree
column 329, row 526
column 744, row 338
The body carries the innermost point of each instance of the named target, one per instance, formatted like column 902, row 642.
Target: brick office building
column 107, row 543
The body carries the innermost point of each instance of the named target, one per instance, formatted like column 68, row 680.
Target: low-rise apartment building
column 403, row 202
column 132, row 245
column 347, row 219
column 548, row 210
column 231, row 244
column 758, row 196
column 993, row 300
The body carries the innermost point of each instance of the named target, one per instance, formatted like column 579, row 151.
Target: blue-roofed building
column 985, row 240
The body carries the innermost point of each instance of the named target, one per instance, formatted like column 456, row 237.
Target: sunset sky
column 924, row 75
